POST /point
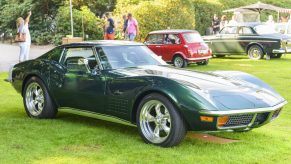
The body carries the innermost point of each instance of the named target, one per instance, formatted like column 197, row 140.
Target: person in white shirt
column 22, row 28
column 233, row 21
column 270, row 20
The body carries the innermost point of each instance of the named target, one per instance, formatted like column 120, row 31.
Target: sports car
column 127, row 82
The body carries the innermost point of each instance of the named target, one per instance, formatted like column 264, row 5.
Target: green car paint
column 118, row 92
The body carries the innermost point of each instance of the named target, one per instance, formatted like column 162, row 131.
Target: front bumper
column 245, row 119
column 281, row 51
column 198, row 58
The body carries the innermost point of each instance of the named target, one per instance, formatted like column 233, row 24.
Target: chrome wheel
column 179, row 62
column 155, row 121
column 255, row 53
column 34, row 99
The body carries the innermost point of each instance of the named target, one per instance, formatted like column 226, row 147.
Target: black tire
column 277, row 56
column 180, row 62
column 32, row 103
column 204, row 62
column 220, row 56
column 255, row 52
column 177, row 125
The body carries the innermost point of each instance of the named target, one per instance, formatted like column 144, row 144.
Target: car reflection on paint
column 126, row 81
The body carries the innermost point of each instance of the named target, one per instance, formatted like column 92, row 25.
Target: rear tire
column 159, row 122
column 37, row 101
column 180, row 62
column 204, row 62
column 255, row 52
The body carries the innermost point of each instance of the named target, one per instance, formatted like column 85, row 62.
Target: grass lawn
column 75, row 139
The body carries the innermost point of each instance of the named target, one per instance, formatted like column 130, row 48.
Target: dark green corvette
column 254, row 39
column 126, row 81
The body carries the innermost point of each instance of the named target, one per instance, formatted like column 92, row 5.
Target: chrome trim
column 283, row 50
column 243, row 111
column 96, row 115
column 201, row 58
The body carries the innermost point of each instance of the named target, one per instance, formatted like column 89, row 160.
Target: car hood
column 221, row 91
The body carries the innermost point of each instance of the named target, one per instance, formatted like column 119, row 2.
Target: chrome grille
column 239, row 120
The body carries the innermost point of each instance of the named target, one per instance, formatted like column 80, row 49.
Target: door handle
column 158, row 46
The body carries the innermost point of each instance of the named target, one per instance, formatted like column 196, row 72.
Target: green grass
column 75, row 139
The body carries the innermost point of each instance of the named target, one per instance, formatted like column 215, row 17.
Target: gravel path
column 9, row 54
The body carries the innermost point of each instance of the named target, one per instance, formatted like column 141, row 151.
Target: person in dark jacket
column 215, row 24
column 109, row 27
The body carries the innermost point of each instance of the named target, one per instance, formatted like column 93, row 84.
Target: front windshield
column 193, row 38
column 265, row 29
column 115, row 57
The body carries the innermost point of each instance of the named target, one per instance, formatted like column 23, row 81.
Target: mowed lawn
column 75, row 139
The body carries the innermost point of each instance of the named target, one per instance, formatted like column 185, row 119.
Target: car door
column 155, row 42
column 228, row 40
column 78, row 83
column 245, row 37
column 172, row 44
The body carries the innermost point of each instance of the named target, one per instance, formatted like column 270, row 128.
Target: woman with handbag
column 24, row 40
column 23, row 37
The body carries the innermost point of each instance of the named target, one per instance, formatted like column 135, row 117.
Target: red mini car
column 180, row 47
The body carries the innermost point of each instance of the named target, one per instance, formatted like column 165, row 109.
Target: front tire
column 159, row 122
column 256, row 52
column 37, row 101
column 180, row 62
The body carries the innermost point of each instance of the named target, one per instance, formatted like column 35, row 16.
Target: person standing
column 125, row 24
column 215, row 24
column 223, row 22
column 23, row 31
column 109, row 27
column 132, row 27
column 233, row 21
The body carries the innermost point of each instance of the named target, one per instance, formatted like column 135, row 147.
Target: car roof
column 172, row 31
column 105, row 43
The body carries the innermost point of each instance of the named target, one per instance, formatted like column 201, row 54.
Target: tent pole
column 278, row 18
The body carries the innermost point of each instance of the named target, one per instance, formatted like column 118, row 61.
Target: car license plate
column 203, row 51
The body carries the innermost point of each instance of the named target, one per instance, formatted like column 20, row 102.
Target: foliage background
column 50, row 20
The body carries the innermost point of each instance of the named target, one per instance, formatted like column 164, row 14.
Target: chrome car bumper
column 200, row 58
column 246, row 118
column 282, row 51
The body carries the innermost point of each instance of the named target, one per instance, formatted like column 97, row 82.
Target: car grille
column 261, row 118
column 276, row 114
column 239, row 120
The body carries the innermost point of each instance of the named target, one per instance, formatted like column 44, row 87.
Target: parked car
column 126, row 81
column 254, row 39
column 283, row 28
column 180, row 47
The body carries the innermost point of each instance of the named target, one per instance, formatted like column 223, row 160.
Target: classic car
column 254, row 39
column 126, row 81
column 180, row 47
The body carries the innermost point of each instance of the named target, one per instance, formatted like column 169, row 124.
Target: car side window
column 155, row 39
column 172, row 39
column 79, row 59
column 103, row 58
column 229, row 30
column 53, row 55
column 245, row 31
